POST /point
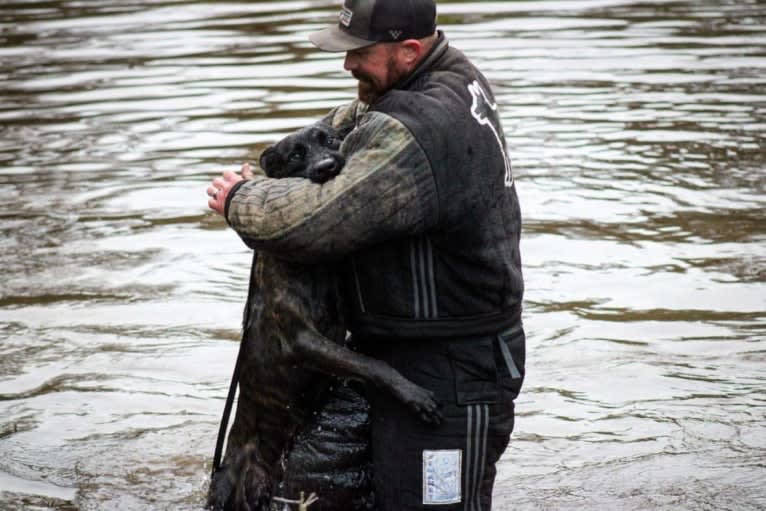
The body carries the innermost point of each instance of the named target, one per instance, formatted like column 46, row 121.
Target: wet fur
column 294, row 341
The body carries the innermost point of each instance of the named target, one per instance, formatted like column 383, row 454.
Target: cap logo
column 345, row 16
column 395, row 33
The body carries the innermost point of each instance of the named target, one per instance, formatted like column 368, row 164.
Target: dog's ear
column 270, row 161
column 343, row 131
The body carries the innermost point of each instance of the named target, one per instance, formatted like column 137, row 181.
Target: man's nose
column 350, row 62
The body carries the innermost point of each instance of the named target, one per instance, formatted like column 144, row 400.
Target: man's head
column 384, row 40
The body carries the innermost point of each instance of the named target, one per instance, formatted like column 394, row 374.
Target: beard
column 370, row 88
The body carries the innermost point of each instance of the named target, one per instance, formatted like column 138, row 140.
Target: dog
column 293, row 346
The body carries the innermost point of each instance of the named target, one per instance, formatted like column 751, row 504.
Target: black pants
column 450, row 466
column 415, row 466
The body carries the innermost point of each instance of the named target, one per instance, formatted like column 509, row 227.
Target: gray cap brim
column 335, row 39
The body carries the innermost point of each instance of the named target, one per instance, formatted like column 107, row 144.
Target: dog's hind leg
column 241, row 484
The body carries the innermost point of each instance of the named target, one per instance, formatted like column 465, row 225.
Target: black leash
column 235, row 375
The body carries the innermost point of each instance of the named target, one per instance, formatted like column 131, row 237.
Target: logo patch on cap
column 395, row 34
column 345, row 16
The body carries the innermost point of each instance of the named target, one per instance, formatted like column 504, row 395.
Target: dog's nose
column 327, row 165
column 326, row 168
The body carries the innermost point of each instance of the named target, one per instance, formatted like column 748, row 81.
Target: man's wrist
column 229, row 198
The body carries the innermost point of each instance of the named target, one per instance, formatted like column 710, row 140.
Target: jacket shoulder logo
column 483, row 110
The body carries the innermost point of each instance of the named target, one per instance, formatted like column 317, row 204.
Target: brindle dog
column 293, row 344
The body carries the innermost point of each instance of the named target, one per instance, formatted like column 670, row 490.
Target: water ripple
column 636, row 135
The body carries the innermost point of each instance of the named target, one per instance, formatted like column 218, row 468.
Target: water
column 637, row 137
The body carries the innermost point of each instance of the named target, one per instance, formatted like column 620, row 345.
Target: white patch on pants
column 441, row 476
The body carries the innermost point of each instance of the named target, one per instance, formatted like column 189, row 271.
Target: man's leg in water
column 451, row 466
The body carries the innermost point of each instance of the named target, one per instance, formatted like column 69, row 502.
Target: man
column 426, row 221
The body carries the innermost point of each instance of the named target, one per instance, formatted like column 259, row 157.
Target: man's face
column 377, row 68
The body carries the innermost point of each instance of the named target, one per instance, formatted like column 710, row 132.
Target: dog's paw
column 423, row 402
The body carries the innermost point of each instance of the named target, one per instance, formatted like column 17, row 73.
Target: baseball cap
column 365, row 22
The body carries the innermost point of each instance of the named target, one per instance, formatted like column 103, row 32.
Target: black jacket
column 461, row 276
column 424, row 216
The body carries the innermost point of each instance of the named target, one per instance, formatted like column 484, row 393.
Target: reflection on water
column 637, row 134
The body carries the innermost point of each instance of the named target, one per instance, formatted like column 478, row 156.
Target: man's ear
column 411, row 50
column 270, row 161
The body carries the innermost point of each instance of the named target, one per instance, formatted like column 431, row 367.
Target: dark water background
column 637, row 132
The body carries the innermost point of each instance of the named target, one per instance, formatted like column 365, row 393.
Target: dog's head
column 312, row 153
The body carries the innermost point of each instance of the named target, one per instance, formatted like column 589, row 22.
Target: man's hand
column 221, row 186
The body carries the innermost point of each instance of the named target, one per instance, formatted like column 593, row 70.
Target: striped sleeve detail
column 345, row 114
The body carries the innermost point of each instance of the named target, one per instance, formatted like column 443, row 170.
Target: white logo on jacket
column 480, row 109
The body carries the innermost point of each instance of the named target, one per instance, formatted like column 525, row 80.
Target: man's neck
column 429, row 44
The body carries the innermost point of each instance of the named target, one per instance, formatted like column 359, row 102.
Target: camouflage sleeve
column 345, row 115
column 385, row 190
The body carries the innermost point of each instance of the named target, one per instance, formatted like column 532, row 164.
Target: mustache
column 361, row 76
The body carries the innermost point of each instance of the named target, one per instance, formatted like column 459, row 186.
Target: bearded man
column 426, row 223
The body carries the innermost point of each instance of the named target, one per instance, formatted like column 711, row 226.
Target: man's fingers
column 247, row 171
column 219, row 190
column 231, row 176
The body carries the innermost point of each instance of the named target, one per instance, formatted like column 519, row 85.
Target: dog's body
column 294, row 339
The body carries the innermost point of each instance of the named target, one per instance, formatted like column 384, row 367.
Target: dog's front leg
column 323, row 355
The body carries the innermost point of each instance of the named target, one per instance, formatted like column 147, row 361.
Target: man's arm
column 385, row 190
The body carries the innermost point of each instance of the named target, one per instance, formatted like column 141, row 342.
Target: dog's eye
column 330, row 141
column 297, row 154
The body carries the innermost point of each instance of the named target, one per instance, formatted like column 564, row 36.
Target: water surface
column 637, row 139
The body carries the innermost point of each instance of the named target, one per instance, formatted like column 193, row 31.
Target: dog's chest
column 298, row 295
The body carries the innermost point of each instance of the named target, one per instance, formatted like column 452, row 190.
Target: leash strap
column 234, row 376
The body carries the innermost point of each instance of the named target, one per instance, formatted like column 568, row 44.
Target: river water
column 638, row 137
